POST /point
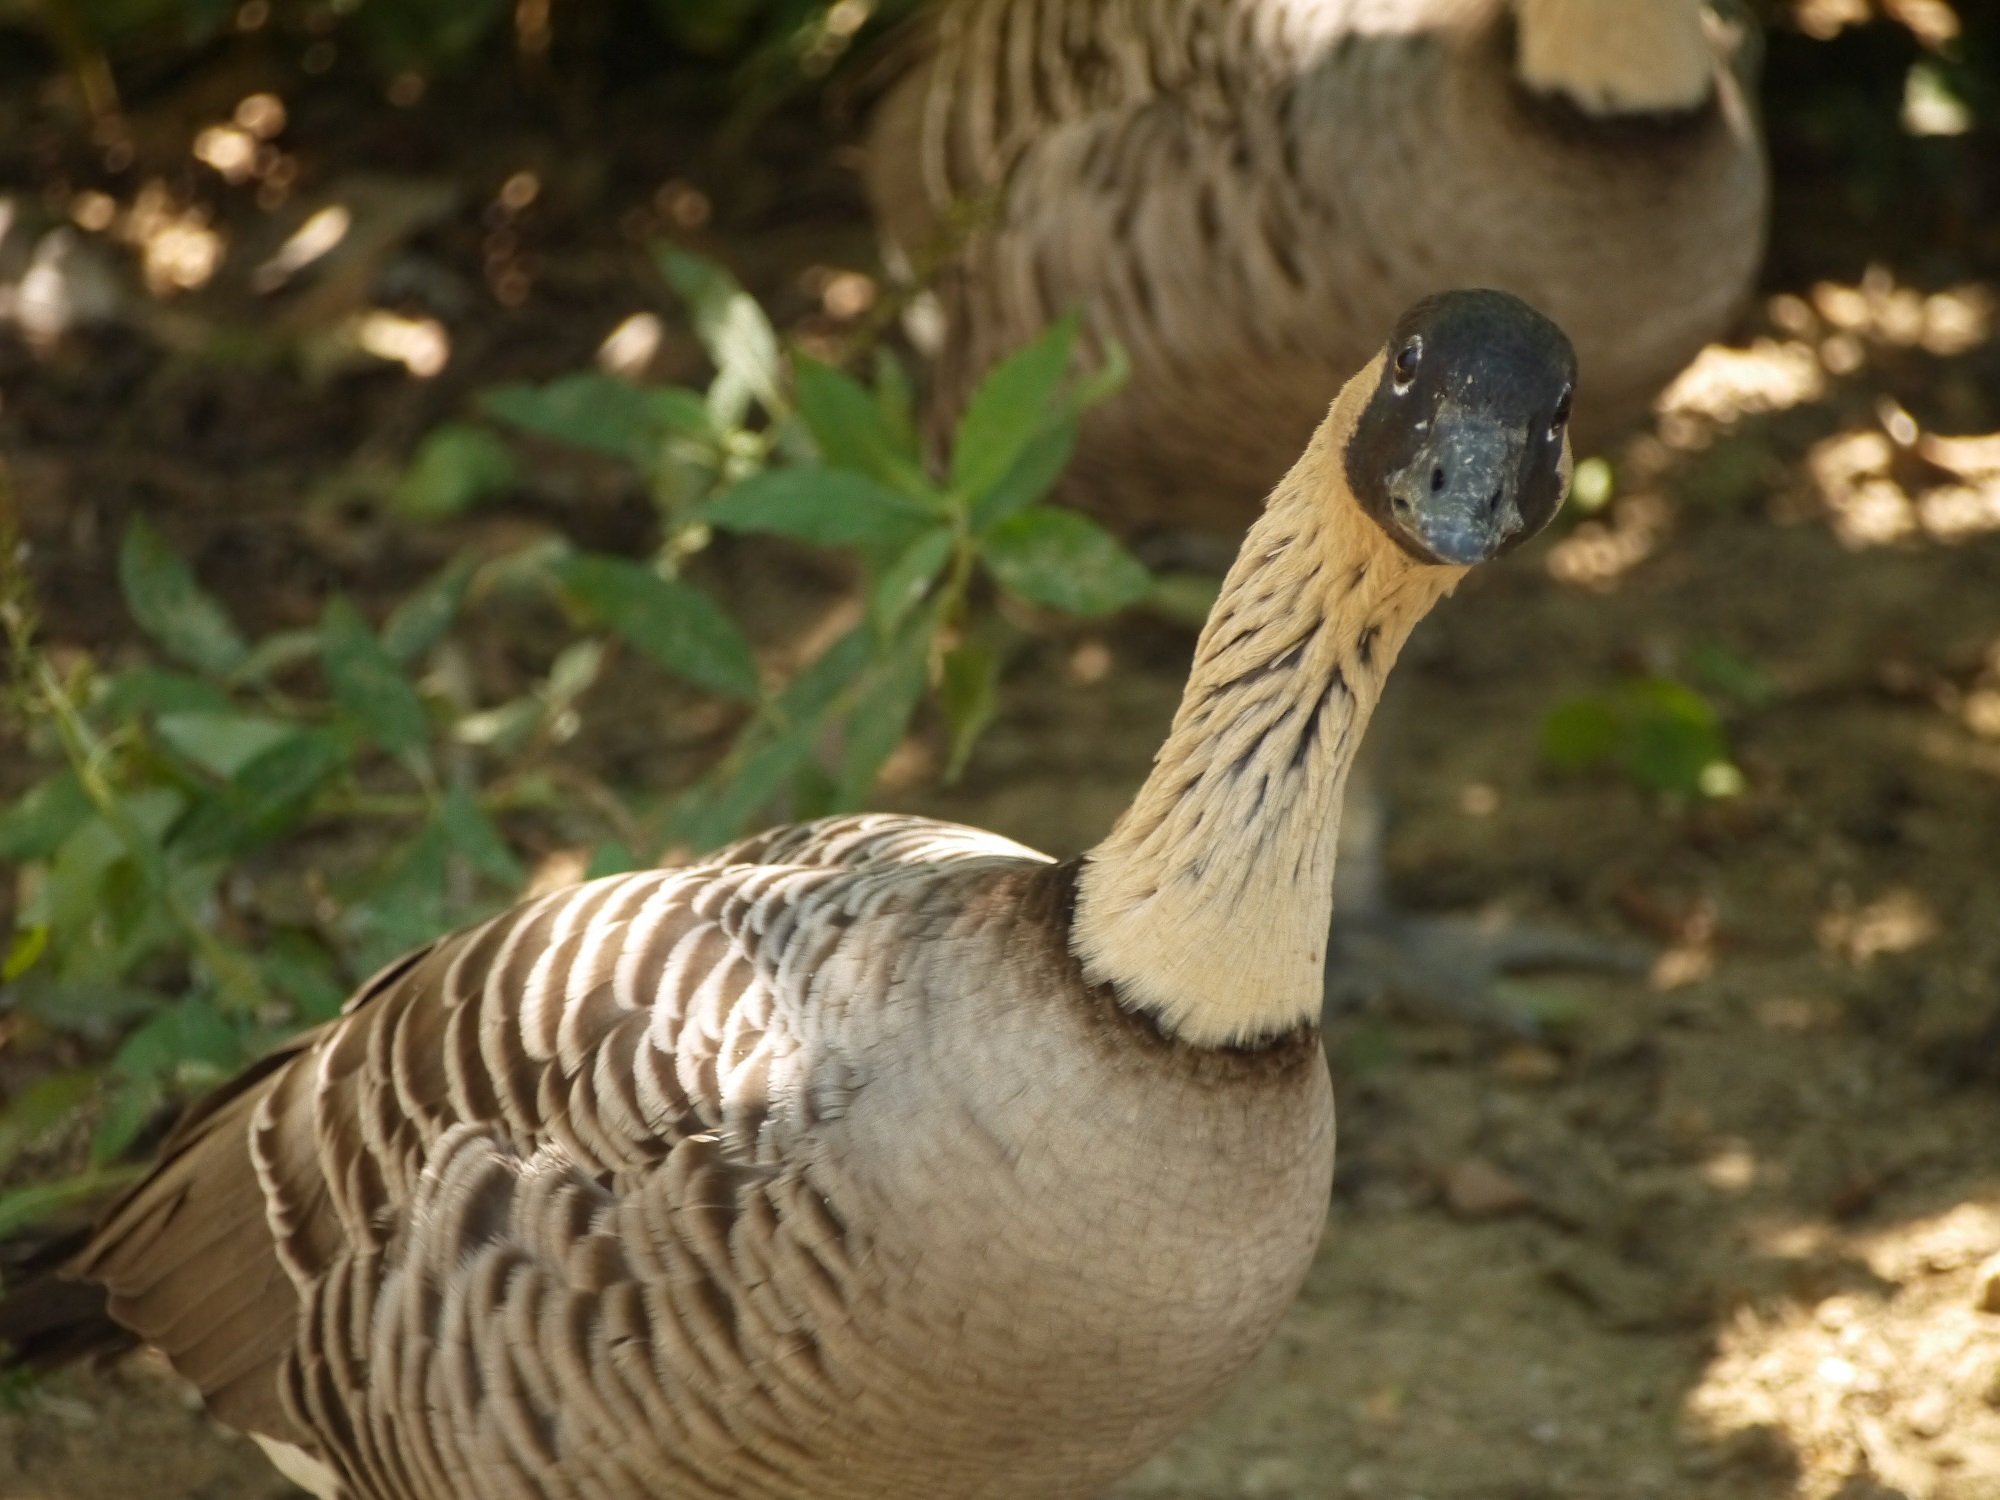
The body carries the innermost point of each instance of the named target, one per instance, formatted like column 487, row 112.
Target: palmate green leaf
column 454, row 468
column 826, row 507
column 1018, row 397
column 369, row 685
column 601, row 414
column 678, row 627
column 853, row 429
column 734, row 331
column 1065, row 561
column 171, row 607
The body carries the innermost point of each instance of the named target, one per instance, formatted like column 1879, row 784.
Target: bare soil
column 1733, row 1230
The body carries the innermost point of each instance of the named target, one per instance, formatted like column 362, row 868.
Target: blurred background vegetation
column 398, row 391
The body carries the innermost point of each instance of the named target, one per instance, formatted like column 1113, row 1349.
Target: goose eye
column 1406, row 363
column 1561, row 418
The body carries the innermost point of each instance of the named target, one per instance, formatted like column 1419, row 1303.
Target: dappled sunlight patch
column 1599, row 553
column 180, row 249
column 1897, row 1383
column 1898, row 921
column 628, row 350
column 1830, row 334
column 1860, row 480
column 1725, row 384
column 419, row 345
column 320, row 235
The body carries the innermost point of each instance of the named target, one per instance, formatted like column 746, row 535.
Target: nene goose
column 873, row 1157
column 1245, row 193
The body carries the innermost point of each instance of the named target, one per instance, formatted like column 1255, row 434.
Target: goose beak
column 1457, row 501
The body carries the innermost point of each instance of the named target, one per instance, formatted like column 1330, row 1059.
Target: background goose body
column 1245, row 193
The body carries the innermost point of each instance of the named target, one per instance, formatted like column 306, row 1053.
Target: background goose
column 1245, row 193
column 874, row 1157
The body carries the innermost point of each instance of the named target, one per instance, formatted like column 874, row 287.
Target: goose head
column 1462, row 450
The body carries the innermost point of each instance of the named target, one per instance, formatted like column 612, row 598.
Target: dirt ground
column 1732, row 1230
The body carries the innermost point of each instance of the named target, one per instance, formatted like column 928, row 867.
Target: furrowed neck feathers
column 1207, row 905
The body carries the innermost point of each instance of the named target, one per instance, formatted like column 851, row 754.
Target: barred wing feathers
column 555, row 1169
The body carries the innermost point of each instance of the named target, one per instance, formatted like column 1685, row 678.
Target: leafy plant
column 805, row 451
column 1663, row 735
column 233, row 829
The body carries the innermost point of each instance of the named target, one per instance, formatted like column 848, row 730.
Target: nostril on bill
column 1437, row 478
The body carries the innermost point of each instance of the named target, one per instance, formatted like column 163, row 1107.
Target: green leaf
column 852, row 428
column 266, row 798
column 24, row 950
column 192, row 1037
column 882, row 717
column 601, row 414
column 43, row 817
column 151, row 690
column 718, row 809
column 1674, row 738
column 274, row 652
column 1033, row 475
column 473, row 835
column 25, row 1207
column 734, row 331
column 368, row 685
column 1013, row 403
column 970, row 691
column 680, row 628
column 420, row 621
column 610, row 858
column 454, row 468
column 826, row 507
column 1064, row 560
column 1580, row 734
column 905, row 581
column 129, row 1104
column 222, row 743
column 297, row 967
column 39, row 1108
column 171, row 607
column 404, row 906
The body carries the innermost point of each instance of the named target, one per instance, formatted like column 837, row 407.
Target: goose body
column 873, row 1157
column 1244, row 194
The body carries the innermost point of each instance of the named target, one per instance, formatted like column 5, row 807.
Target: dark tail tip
column 46, row 1319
